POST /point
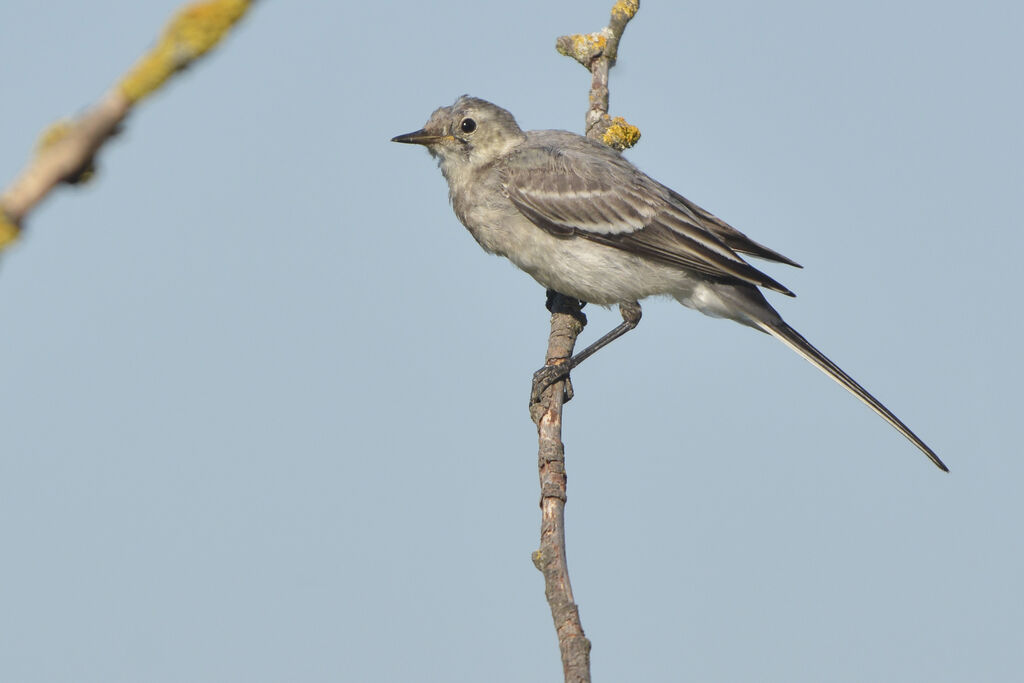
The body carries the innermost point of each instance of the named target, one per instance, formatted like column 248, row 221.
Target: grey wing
column 586, row 191
column 732, row 237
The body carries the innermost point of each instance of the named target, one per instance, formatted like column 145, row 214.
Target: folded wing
column 587, row 191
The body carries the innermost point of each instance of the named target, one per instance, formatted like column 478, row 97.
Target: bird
column 584, row 222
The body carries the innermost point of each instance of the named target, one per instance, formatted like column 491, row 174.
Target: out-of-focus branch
column 67, row 149
column 597, row 52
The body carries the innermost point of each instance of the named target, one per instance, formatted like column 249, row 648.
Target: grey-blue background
column 263, row 400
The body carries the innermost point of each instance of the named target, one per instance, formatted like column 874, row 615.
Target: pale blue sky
column 264, row 401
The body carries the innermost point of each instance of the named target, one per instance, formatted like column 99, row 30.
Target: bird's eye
column 468, row 125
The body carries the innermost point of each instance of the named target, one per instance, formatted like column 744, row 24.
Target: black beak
column 419, row 137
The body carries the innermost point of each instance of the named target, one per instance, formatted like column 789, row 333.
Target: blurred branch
column 67, row 149
column 597, row 52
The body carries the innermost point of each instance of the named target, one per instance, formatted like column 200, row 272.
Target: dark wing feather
column 732, row 237
column 590, row 192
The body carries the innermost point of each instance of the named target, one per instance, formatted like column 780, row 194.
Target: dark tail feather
column 794, row 340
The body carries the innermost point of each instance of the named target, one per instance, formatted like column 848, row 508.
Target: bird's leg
column 549, row 374
column 558, row 303
column 631, row 314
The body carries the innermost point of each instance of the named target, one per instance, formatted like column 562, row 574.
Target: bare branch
column 597, row 52
column 567, row 322
column 67, row 149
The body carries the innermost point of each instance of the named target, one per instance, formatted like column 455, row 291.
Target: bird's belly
column 604, row 275
column 598, row 274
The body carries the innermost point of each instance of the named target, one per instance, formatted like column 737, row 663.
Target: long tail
column 794, row 340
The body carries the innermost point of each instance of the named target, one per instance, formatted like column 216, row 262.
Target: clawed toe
column 548, row 375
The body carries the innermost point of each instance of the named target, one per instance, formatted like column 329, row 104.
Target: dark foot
column 548, row 375
column 560, row 303
column 549, row 303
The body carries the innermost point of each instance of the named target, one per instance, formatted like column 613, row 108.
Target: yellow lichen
column 53, row 134
column 582, row 48
column 592, row 42
column 621, row 135
column 8, row 230
column 626, row 8
column 189, row 35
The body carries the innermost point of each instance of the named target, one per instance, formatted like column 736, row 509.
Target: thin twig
column 597, row 52
column 67, row 149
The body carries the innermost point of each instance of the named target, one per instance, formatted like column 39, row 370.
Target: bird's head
column 471, row 132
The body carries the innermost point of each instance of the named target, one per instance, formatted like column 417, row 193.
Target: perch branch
column 597, row 52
